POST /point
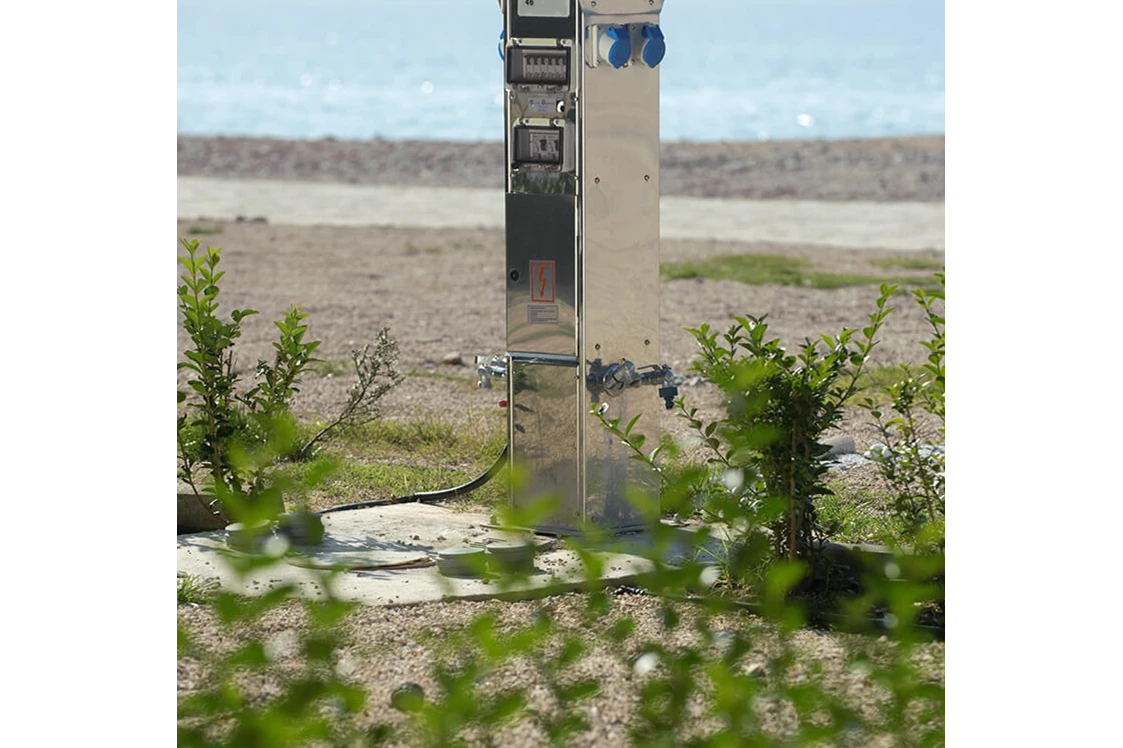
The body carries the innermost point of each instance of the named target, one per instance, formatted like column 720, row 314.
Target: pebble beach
column 897, row 169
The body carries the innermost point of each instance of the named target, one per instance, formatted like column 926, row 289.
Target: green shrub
column 778, row 407
column 216, row 415
column 237, row 438
column 912, row 455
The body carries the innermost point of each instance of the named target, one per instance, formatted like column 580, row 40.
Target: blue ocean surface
column 734, row 69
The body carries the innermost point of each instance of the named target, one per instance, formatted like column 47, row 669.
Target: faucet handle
column 488, row 368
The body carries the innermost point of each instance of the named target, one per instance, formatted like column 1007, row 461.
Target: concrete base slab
column 394, row 542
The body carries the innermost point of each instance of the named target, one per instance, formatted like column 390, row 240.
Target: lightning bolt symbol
column 542, row 280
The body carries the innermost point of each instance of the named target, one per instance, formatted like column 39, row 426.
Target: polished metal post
column 582, row 216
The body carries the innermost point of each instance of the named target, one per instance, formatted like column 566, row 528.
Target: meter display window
column 538, row 145
column 545, row 66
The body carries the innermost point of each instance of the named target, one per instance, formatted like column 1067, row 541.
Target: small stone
column 756, row 670
column 645, row 663
column 453, row 359
column 878, row 451
column 840, row 445
column 723, row 640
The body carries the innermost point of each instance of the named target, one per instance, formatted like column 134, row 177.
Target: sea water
column 734, row 69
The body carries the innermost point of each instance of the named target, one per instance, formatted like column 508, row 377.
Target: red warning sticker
column 541, row 280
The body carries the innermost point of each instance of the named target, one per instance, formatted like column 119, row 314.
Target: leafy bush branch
column 377, row 373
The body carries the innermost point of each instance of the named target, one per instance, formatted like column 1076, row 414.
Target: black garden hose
column 428, row 496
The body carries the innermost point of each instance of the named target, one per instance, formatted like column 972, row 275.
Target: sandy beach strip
column 852, row 224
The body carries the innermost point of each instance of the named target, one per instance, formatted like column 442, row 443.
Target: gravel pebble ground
column 876, row 169
column 436, row 290
column 389, row 647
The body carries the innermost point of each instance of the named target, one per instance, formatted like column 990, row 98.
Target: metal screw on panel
column 647, row 177
column 596, row 179
column 646, row 341
column 597, row 346
column 514, row 275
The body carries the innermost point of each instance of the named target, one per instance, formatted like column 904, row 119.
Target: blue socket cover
column 654, row 48
column 502, row 36
column 621, row 50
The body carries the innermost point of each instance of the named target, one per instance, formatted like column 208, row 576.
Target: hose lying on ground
column 428, row 496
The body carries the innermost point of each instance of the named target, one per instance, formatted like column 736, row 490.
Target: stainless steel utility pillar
column 582, row 211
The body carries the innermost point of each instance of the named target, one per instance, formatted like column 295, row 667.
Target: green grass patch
column 407, row 437
column 387, row 458
column 204, row 230
column 468, row 375
column 354, row 481
column 754, row 269
column 910, row 263
column 424, row 437
column 330, row 368
column 769, row 269
column 876, row 379
column 856, row 516
column 881, row 376
column 193, row 589
column 413, row 249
